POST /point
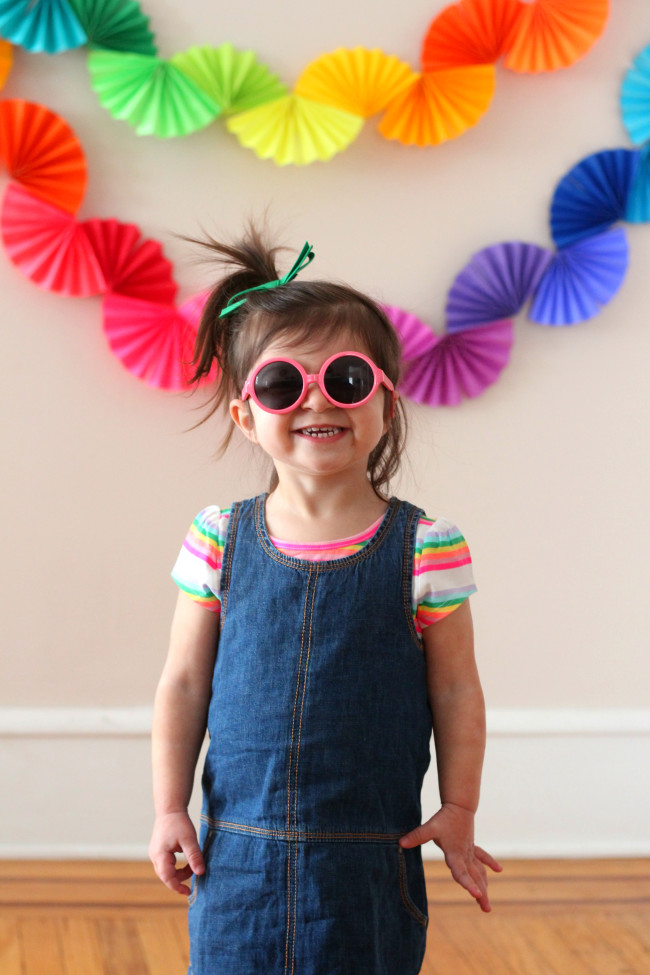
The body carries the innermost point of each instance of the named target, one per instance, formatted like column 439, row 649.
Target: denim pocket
column 207, row 836
column 411, row 879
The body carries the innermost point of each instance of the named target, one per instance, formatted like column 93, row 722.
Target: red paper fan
column 469, row 32
column 48, row 245
column 132, row 266
column 41, row 151
column 154, row 342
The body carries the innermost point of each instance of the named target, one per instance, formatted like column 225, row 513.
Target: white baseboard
column 557, row 783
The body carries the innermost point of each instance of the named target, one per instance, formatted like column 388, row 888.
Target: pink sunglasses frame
column 379, row 378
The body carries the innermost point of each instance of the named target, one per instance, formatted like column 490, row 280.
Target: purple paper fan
column 495, row 284
column 581, row 279
column 459, row 364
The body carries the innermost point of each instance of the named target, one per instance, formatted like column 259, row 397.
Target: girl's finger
column 418, row 836
column 487, row 859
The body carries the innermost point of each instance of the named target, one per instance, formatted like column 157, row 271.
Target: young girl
column 322, row 631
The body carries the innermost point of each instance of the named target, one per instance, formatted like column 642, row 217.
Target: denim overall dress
column 319, row 740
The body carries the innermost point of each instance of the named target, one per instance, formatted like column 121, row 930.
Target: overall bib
column 319, row 740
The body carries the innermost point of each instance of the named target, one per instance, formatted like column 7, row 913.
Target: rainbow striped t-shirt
column 442, row 566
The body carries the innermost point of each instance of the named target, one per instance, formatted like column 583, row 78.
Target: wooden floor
column 550, row 917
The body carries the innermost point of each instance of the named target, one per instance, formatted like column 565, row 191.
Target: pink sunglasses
column 347, row 379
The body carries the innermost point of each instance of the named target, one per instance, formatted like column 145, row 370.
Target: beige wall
column 547, row 473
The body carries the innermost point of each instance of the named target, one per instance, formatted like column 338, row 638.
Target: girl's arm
column 458, row 712
column 179, row 724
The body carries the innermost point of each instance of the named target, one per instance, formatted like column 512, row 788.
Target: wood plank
column 40, row 948
column 575, row 931
column 81, row 946
column 10, row 961
column 161, row 947
column 120, row 947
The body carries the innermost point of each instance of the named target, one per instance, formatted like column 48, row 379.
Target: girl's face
column 317, row 438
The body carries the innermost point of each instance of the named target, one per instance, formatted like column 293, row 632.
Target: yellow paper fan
column 355, row 80
column 6, row 58
column 295, row 130
column 439, row 105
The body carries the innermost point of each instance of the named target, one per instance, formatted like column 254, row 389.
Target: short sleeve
column 197, row 570
column 442, row 571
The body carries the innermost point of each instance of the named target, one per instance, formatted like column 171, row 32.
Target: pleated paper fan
column 153, row 341
column 295, row 130
column 495, row 284
column 416, row 338
column 439, row 105
column 41, row 151
column 593, row 195
column 469, row 32
column 635, row 99
column 460, row 364
column 191, row 310
column 581, row 279
column 235, row 80
column 552, row 34
column 354, row 79
column 131, row 265
column 41, row 25
column 150, row 94
column 116, row 25
column 638, row 201
column 48, row 245
column 6, row 60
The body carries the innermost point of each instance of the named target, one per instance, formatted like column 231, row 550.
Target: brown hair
column 299, row 310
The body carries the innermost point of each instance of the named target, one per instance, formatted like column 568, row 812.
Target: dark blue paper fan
column 593, row 195
column 638, row 201
column 41, row 25
column 581, row 279
column 495, row 284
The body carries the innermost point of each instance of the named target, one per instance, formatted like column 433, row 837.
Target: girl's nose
column 315, row 400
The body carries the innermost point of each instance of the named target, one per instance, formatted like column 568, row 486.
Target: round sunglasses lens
column 349, row 379
column 278, row 385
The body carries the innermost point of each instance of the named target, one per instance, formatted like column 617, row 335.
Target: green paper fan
column 295, row 130
column 116, row 25
column 150, row 94
column 234, row 79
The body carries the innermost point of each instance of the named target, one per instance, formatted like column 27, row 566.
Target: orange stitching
column 299, row 835
column 410, row 906
column 407, row 575
column 233, row 523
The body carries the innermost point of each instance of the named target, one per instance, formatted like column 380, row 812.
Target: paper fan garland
column 116, row 25
column 552, row 34
column 495, row 284
column 41, row 25
column 469, row 32
column 155, row 342
column 6, row 60
column 48, row 245
column 593, row 195
column 130, row 265
column 41, row 151
column 415, row 338
column 635, row 99
column 150, row 94
column 235, row 80
column 581, row 279
column 295, row 130
column 355, row 80
column 638, row 201
column 439, row 105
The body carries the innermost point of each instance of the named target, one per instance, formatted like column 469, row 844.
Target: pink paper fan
column 48, row 245
column 191, row 310
column 132, row 266
column 416, row 339
column 155, row 342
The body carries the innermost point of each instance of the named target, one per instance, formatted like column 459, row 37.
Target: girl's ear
column 243, row 418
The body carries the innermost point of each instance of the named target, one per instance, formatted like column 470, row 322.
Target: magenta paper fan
column 191, row 310
column 132, row 266
column 415, row 337
column 155, row 342
column 48, row 245
column 495, row 284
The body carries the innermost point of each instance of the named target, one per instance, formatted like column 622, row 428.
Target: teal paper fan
column 150, row 94
column 40, row 25
column 635, row 99
column 638, row 201
column 234, row 79
column 116, row 25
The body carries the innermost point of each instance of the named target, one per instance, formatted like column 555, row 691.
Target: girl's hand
column 452, row 829
column 174, row 833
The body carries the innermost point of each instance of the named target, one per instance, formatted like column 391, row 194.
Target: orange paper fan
column 551, row 34
column 132, row 266
column 48, row 245
column 469, row 32
column 6, row 59
column 356, row 80
column 439, row 105
column 41, row 151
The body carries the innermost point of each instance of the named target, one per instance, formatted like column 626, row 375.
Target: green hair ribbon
column 305, row 257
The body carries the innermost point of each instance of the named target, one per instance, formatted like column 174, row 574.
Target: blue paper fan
column 495, row 284
column 635, row 98
column 638, row 201
column 581, row 279
column 41, row 25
